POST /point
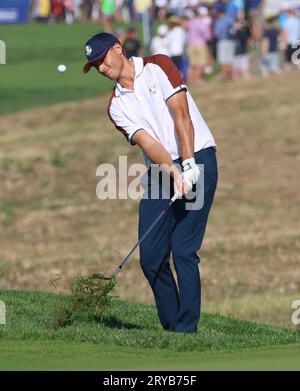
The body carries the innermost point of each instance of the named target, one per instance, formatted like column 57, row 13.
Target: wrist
column 171, row 169
column 174, row 171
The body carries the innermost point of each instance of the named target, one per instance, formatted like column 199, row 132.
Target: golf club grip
column 172, row 200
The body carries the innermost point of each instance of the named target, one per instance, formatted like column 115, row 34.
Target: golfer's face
column 111, row 64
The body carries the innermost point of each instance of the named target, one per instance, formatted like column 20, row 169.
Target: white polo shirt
column 177, row 39
column 156, row 80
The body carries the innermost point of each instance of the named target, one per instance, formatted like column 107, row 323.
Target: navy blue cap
column 96, row 48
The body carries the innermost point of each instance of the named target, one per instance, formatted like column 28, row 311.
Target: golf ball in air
column 62, row 68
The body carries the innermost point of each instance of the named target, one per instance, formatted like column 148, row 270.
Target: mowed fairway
column 53, row 227
column 57, row 356
column 33, row 52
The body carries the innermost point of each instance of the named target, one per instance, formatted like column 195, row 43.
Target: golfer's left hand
column 190, row 174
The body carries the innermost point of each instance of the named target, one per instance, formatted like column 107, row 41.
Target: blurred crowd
column 85, row 11
column 236, row 35
column 199, row 36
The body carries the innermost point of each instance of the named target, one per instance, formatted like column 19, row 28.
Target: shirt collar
column 138, row 68
column 138, row 65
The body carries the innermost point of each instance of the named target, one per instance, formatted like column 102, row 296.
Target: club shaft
column 173, row 199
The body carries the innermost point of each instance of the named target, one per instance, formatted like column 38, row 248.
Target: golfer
column 153, row 109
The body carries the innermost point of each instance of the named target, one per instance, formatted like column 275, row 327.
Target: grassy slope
column 131, row 337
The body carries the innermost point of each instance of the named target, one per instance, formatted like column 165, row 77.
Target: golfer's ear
column 118, row 48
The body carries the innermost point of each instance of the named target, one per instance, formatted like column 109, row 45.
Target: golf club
column 172, row 200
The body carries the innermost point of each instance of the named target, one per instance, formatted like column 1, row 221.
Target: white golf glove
column 191, row 172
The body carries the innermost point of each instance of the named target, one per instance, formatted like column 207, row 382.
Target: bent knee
column 185, row 255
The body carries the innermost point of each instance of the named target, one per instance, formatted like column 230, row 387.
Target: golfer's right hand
column 178, row 184
column 181, row 187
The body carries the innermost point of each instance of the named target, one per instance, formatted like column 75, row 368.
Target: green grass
column 30, row 77
column 29, row 340
column 53, row 355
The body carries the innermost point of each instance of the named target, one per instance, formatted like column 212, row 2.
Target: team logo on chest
column 153, row 89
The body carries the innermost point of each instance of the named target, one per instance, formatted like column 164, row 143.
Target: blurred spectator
column 193, row 5
column 231, row 8
column 95, row 16
column 290, row 35
column 125, row 14
column 131, row 45
column 285, row 5
column 77, row 10
column 177, row 7
column 211, row 37
column 120, row 34
column 198, row 35
column 211, row 44
column 41, row 11
column 86, row 8
column 69, row 11
column 225, row 45
column 161, row 9
column 131, row 9
column 58, row 14
column 228, row 6
column 241, row 35
column 159, row 43
column 254, row 12
column 269, row 50
column 108, row 10
column 176, row 40
column 184, row 20
column 240, row 5
column 118, row 13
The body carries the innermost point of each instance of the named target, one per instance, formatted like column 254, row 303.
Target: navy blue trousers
column 180, row 232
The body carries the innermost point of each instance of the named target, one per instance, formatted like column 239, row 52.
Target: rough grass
column 30, row 316
column 90, row 299
column 51, row 223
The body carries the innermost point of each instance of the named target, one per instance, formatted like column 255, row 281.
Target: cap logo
column 88, row 50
